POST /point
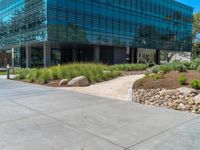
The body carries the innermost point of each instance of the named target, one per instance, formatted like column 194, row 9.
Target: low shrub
column 156, row 69
column 156, row 76
column 181, row 68
column 195, row 84
column 198, row 69
column 187, row 64
column 195, row 64
column 182, row 79
column 166, row 68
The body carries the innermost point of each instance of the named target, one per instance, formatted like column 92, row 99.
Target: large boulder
column 187, row 90
column 197, row 99
column 63, row 82
column 79, row 82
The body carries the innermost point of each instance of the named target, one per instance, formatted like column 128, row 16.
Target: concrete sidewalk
column 117, row 88
column 34, row 117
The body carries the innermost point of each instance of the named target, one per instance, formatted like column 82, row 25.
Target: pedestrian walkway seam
column 163, row 132
column 69, row 125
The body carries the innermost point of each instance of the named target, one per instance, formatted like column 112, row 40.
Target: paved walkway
column 117, row 88
column 5, row 76
column 34, row 117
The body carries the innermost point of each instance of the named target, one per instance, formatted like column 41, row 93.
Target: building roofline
column 183, row 4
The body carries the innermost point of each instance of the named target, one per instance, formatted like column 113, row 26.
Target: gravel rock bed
column 182, row 99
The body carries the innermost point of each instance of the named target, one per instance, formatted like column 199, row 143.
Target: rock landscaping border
column 182, row 99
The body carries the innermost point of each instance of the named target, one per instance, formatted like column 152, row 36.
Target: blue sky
column 193, row 3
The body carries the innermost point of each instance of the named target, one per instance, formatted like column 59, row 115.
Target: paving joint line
column 23, row 118
column 69, row 125
column 163, row 132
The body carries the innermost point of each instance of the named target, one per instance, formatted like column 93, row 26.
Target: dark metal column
column 157, row 59
column 134, row 55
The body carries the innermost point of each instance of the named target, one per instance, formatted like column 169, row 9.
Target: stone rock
column 79, row 82
column 197, row 99
column 63, row 82
column 147, row 102
column 178, row 101
column 187, row 90
column 193, row 111
column 152, row 103
column 192, row 95
column 191, row 101
column 181, row 106
column 173, row 97
column 188, row 107
column 171, row 105
column 157, row 96
column 167, row 96
column 167, row 92
column 181, row 97
column 194, row 107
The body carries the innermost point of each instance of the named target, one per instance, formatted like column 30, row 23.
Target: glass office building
column 50, row 32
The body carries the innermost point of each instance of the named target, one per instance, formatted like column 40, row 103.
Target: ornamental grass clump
column 93, row 72
column 156, row 69
column 129, row 67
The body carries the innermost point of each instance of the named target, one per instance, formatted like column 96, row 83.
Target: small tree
column 196, row 35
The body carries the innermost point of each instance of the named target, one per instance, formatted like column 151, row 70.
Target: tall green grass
column 93, row 72
column 129, row 67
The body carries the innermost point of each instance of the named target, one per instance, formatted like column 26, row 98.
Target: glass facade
column 153, row 24
column 22, row 22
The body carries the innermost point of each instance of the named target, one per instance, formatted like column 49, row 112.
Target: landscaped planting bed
column 168, row 81
column 175, row 86
column 91, row 71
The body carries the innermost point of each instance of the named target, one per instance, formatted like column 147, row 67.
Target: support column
column 74, row 54
column 28, row 56
column 97, row 54
column 13, row 60
column 3, row 58
column 128, row 54
column 157, row 57
column 134, row 55
column 47, row 54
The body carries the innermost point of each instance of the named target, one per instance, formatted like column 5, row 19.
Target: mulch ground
column 170, row 81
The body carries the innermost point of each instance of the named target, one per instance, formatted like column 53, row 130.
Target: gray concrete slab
column 10, row 111
column 43, row 133
column 36, row 117
column 123, row 123
column 59, row 102
column 184, row 137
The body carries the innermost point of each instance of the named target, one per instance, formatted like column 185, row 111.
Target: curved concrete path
column 117, row 88
column 35, row 117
